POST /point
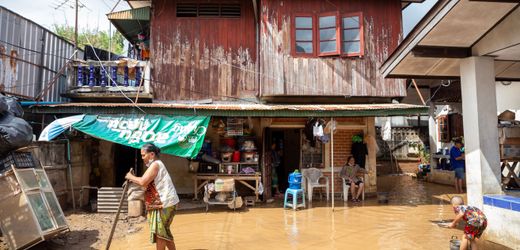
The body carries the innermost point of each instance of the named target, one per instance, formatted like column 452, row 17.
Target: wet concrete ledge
column 503, row 201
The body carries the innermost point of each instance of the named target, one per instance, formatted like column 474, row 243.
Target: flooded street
column 409, row 221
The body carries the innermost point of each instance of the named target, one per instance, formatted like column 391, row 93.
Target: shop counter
column 242, row 178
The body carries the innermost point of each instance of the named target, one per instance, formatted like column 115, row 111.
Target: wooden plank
column 512, row 141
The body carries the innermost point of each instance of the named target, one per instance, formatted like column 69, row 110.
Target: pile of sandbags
column 135, row 192
column 15, row 132
column 135, row 200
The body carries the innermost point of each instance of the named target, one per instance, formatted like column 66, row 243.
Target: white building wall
column 502, row 226
column 507, row 97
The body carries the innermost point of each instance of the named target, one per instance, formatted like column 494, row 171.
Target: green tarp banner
column 176, row 135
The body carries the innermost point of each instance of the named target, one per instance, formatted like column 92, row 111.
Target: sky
column 47, row 13
column 93, row 15
column 413, row 14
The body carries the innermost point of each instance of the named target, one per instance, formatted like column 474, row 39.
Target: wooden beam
column 255, row 9
column 496, row 1
column 443, row 77
column 418, row 92
column 441, row 52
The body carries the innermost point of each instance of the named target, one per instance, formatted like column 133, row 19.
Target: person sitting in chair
column 349, row 172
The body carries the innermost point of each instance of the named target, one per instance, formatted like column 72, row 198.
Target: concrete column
column 432, row 129
column 480, row 128
column 371, row 183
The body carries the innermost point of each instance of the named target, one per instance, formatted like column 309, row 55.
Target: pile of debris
column 15, row 132
column 29, row 209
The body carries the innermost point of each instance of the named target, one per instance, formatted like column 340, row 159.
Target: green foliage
column 99, row 39
column 424, row 154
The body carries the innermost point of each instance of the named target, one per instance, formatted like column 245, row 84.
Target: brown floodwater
column 409, row 221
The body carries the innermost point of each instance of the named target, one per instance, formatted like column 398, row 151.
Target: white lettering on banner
column 139, row 130
column 136, row 137
column 144, row 125
column 123, row 124
column 133, row 124
column 162, row 137
column 201, row 130
column 113, row 123
column 148, row 136
column 125, row 134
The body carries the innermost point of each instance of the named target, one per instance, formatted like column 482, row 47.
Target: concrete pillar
column 480, row 128
column 432, row 129
column 371, row 183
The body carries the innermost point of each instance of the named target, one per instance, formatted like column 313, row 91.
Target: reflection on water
column 409, row 221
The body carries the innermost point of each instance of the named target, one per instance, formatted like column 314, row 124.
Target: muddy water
column 409, row 221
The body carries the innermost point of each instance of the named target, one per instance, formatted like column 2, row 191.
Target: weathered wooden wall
column 53, row 157
column 198, row 58
column 282, row 74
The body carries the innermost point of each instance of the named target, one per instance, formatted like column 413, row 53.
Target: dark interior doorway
column 125, row 158
column 288, row 144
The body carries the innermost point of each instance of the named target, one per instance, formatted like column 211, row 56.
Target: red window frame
column 361, row 35
column 443, row 129
column 293, row 35
column 338, row 35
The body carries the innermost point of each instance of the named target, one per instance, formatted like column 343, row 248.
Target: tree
column 99, row 39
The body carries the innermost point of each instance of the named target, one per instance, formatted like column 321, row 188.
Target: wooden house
column 276, row 63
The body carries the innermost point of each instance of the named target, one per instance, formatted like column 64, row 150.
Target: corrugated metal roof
column 236, row 109
column 133, row 14
column 38, row 55
column 131, row 22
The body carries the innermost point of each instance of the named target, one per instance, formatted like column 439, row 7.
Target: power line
column 259, row 74
column 200, row 92
column 60, row 5
column 82, row 5
column 114, row 81
column 35, row 51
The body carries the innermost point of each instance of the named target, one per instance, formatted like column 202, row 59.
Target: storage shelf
column 239, row 163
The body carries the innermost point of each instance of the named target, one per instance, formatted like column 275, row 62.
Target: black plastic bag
column 3, row 104
column 10, row 105
column 14, row 133
column 14, row 107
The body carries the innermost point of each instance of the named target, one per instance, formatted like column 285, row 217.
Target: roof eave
column 420, row 30
column 392, row 110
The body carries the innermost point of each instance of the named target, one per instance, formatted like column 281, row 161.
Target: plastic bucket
column 230, row 142
column 382, row 197
column 295, row 180
column 454, row 243
column 236, row 156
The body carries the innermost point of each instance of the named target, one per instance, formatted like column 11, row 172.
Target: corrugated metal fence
column 30, row 56
column 405, row 143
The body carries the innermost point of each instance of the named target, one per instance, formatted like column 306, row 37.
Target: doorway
column 287, row 144
column 125, row 158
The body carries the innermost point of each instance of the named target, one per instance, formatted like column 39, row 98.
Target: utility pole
column 110, row 34
column 76, row 32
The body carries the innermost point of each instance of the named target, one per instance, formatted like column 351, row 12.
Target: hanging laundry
column 309, row 133
column 359, row 150
column 386, row 130
column 317, row 129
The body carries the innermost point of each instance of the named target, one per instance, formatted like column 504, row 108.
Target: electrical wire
column 260, row 74
column 35, row 51
column 112, row 80
column 433, row 95
column 199, row 92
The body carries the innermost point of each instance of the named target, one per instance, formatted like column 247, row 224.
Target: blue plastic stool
column 295, row 193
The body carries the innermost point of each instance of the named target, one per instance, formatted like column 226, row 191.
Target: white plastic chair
column 312, row 178
column 346, row 189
